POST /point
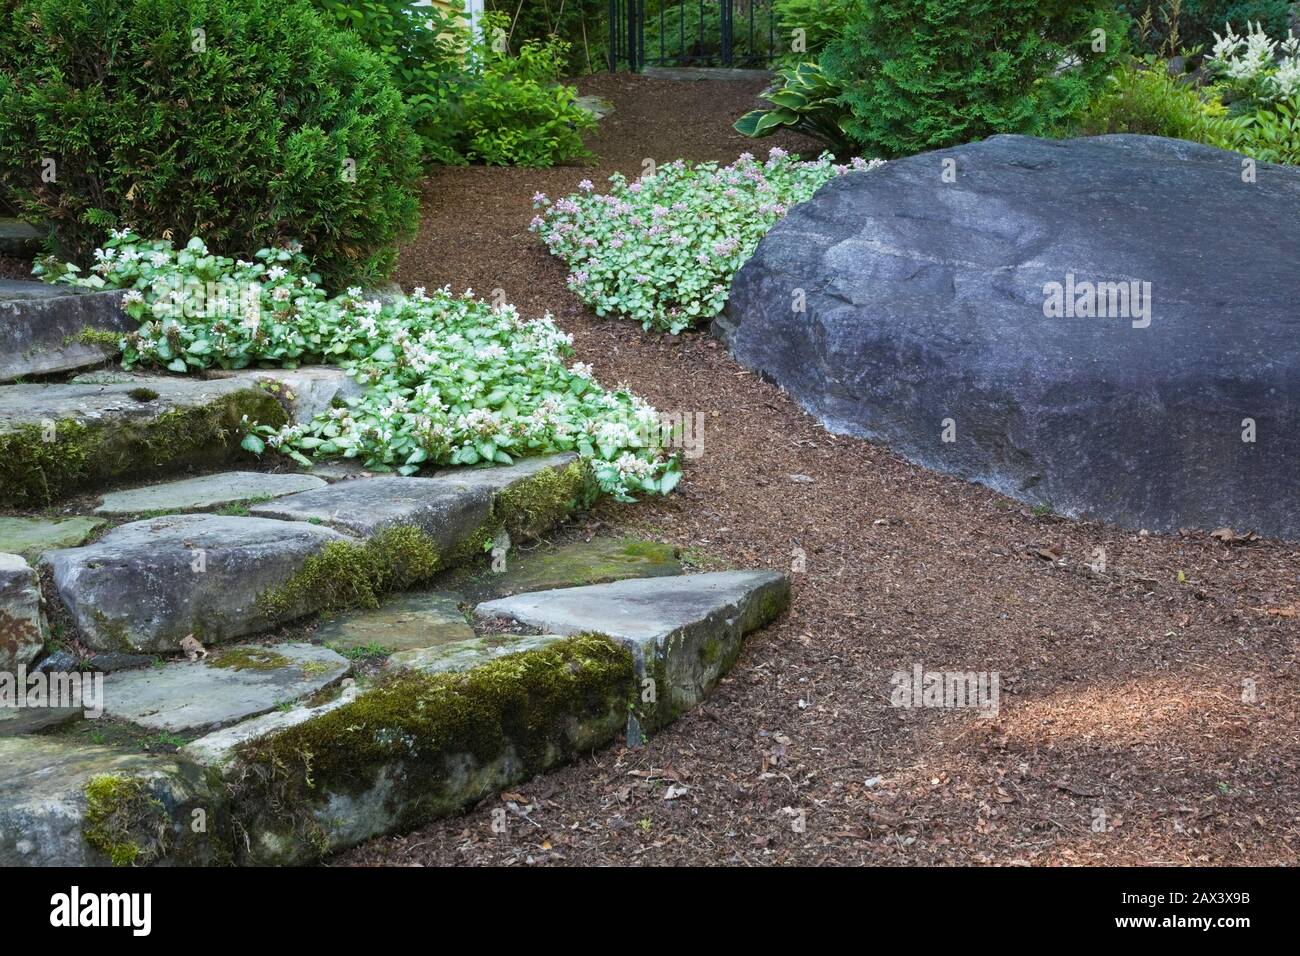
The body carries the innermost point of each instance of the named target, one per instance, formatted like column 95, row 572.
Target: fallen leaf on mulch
column 1047, row 554
column 509, row 796
column 1228, row 536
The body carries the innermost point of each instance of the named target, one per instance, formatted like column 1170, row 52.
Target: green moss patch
column 346, row 575
column 249, row 659
column 123, row 821
column 417, row 746
column 39, row 466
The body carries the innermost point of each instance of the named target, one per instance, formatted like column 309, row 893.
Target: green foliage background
column 267, row 126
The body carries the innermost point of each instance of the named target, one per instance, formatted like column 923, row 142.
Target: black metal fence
column 724, row 33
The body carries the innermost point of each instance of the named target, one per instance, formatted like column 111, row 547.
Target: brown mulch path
column 1123, row 737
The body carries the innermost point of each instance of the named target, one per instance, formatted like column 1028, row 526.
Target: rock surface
column 57, row 439
column 924, row 319
column 459, row 656
column 44, row 818
column 41, row 328
column 232, row 683
column 402, row 622
column 569, row 565
column 684, row 631
column 22, row 622
column 146, row 585
column 32, row 537
column 206, row 492
column 448, row 506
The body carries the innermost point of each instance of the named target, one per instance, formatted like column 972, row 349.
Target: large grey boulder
column 684, row 632
column 43, row 328
column 22, row 624
column 146, row 585
column 911, row 304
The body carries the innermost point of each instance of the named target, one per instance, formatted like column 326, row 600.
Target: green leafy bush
column 1271, row 135
column 821, row 20
column 448, row 380
column 924, row 74
column 1145, row 98
column 583, row 24
column 662, row 250
column 802, row 100
column 249, row 121
column 511, row 109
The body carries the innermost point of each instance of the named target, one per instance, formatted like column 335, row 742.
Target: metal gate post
column 727, row 24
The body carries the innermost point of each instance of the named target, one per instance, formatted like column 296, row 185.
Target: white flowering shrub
column 1256, row 69
column 663, row 249
column 449, row 380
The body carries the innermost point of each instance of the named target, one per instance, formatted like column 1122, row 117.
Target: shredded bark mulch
column 1148, row 711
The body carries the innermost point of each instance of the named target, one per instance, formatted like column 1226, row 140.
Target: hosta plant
column 802, row 100
column 449, row 380
column 663, row 249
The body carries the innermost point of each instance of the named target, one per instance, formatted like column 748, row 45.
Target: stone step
column 206, row 493
column 465, row 655
column 105, row 428
column 46, row 329
column 19, row 239
column 568, row 565
column 230, row 684
column 147, row 585
column 684, row 632
column 70, row 804
column 455, row 508
column 414, row 620
column 22, row 620
column 32, row 537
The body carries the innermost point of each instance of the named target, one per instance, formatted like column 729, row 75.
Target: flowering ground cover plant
column 449, row 380
column 1255, row 69
column 663, row 249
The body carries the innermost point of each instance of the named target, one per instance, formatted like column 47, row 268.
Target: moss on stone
column 427, row 735
column 39, row 465
column 345, row 574
column 122, row 820
column 249, row 659
column 111, row 341
column 539, row 502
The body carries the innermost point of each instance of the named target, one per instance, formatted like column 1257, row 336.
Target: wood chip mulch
column 1148, row 713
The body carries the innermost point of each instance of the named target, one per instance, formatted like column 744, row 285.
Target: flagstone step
column 45, row 329
column 206, row 492
column 402, row 622
column 70, row 804
column 230, row 684
column 684, row 632
column 22, row 619
column 452, row 507
column 32, row 537
column 146, row 585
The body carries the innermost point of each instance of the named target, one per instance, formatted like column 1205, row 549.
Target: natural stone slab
column 42, row 334
column 569, row 565
column 685, row 632
column 416, row 746
column 57, row 439
column 19, row 239
column 146, row 585
column 232, row 683
column 32, row 537
column 219, row 748
column 401, row 622
column 457, row 656
column 45, row 787
column 1121, row 365
column 15, row 721
column 448, row 506
column 304, row 392
column 205, row 493
column 22, row 623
